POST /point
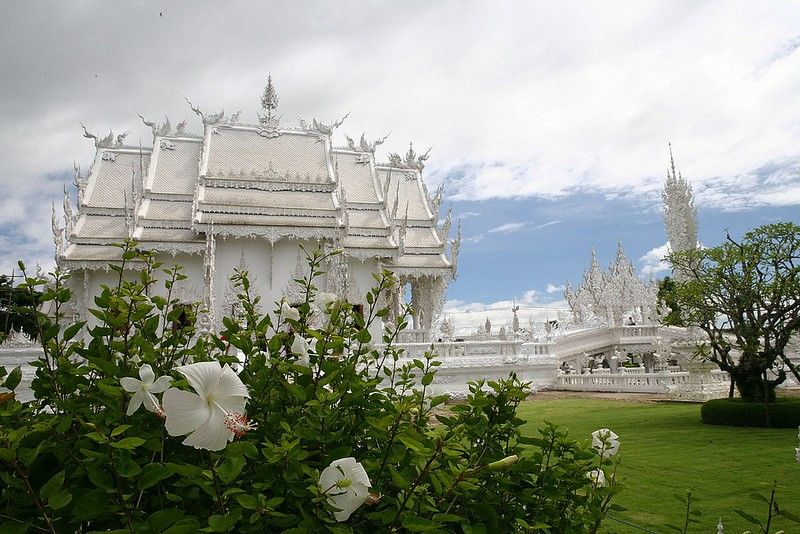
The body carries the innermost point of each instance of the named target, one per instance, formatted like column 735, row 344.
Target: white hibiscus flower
column 143, row 389
column 346, row 485
column 597, row 477
column 605, row 442
column 289, row 312
column 300, row 349
column 213, row 415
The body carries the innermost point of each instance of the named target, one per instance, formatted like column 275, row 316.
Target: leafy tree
column 745, row 295
column 15, row 308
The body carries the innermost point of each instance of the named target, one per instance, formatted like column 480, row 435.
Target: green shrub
column 316, row 430
column 783, row 413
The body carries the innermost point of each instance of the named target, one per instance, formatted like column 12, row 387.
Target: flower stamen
column 238, row 424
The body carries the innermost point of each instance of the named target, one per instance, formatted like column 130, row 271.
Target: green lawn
column 665, row 449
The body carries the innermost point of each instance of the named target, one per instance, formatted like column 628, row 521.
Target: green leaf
column 364, row 336
column 49, row 333
column 427, row 379
column 411, row 443
column 248, row 502
column 789, row 515
column 127, row 467
column 72, row 330
column 52, row 485
column 99, row 476
column 59, row 500
column 223, row 523
column 152, row 474
column 127, row 443
column 119, row 430
column 230, row 469
column 163, row 519
column 749, row 518
column 13, row 379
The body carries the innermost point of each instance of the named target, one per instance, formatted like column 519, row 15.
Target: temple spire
column 269, row 104
column 680, row 214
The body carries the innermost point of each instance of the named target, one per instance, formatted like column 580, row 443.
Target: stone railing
column 638, row 382
column 496, row 348
column 464, row 361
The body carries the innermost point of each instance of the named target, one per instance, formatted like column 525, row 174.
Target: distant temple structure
column 248, row 196
column 613, row 297
column 617, row 297
column 680, row 213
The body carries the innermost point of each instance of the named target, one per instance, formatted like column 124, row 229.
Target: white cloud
column 551, row 288
column 507, row 228
column 654, row 261
column 545, row 225
column 468, row 214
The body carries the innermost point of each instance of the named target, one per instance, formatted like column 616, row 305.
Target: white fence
column 637, row 382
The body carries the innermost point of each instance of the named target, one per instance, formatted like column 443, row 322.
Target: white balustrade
column 632, row 382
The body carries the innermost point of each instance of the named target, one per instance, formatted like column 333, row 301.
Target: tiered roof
column 263, row 180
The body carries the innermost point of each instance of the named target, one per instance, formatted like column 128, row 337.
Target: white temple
column 248, row 196
column 614, row 297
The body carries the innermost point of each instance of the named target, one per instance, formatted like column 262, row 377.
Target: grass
column 665, row 450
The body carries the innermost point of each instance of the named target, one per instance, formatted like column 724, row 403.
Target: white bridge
column 540, row 362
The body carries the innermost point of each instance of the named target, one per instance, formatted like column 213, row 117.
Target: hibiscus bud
column 502, row 464
column 414, row 411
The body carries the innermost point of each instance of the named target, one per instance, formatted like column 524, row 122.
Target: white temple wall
column 270, row 269
column 361, row 274
column 187, row 291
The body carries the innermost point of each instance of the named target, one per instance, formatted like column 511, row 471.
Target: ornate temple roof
column 264, row 180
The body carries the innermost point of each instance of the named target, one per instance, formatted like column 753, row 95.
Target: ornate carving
column 159, row 131
column 321, row 127
column 370, row 147
column 444, row 231
column 680, row 214
column 273, row 234
column 362, row 159
column 79, row 182
column 614, row 297
column 455, row 248
column 336, row 279
column 411, row 160
column 208, row 119
column 69, row 218
column 269, row 105
column 19, row 340
column 294, row 292
column 166, row 144
column 436, row 200
column 180, row 129
column 105, row 142
column 108, row 156
column 209, row 268
column 58, row 233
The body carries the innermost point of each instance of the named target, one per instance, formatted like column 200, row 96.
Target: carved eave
column 269, row 233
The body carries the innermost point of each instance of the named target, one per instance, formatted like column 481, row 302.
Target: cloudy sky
column 549, row 122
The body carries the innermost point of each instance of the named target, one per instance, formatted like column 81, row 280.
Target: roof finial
column 269, row 103
column 672, row 161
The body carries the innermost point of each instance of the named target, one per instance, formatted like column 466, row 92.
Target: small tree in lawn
column 745, row 295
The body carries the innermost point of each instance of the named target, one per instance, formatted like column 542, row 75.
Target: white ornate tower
column 680, row 214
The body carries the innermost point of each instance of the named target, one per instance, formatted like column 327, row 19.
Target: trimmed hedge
column 783, row 413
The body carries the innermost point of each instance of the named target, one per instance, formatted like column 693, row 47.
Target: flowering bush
column 296, row 421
